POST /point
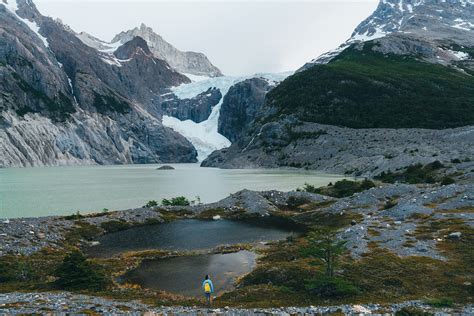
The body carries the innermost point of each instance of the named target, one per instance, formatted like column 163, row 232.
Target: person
column 208, row 288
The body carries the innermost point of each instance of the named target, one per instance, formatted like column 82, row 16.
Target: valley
column 130, row 169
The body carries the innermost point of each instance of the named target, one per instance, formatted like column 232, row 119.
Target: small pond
column 184, row 275
column 190, row 234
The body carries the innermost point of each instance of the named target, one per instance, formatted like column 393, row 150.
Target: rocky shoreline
column 63, row 303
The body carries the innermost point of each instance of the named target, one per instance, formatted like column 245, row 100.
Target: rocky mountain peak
column 184, row 62
column 428, row 18
column 437, row 23
column 136, row 46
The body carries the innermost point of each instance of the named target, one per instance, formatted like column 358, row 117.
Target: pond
column 184, row 275
column 186, row 235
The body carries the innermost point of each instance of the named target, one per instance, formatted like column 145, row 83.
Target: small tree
column 325, row 248
column 76, row 273
column 150, row 204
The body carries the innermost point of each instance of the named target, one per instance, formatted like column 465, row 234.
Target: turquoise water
column 28, row 192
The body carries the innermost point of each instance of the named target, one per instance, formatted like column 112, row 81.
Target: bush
column 74, row 216
column 412, row 311
column 456, row 160
column 413, row 174
column 176, row 201
column 441, row 302
column 341, row 188
column 76, row 273
column 331, row 287
column 115, row 226
column 447, row 181
column 151, row 203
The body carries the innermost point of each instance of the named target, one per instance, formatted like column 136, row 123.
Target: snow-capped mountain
column 191, row 63
column 63, row 102
column 431, row 21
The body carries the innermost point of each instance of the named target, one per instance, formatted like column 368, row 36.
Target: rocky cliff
column 64, row 102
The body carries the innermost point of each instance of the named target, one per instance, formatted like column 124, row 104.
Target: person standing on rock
column 208, row 288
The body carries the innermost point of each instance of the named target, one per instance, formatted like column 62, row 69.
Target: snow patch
column 12, row 6
column 196, row 78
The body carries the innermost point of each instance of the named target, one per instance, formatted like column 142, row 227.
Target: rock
column 240, row 107
column 358, row 309
column 455, row 235
column 196, row 109
column 184, row 62
column 216, row 217
column 166, row 167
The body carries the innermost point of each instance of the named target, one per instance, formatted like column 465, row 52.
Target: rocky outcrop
column 196, row 109
column 66, row 103
column 240, row 107
column 184, row 62
column 364, row 152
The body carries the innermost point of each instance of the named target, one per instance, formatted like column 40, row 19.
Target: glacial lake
column 29, row 192
column 188, row 235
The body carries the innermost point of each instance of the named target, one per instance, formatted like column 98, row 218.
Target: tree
column 76, row 273
column 325, row 248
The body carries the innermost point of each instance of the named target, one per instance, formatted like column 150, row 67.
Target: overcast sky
column 239, row 37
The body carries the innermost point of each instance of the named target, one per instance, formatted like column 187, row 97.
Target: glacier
column 205, row 136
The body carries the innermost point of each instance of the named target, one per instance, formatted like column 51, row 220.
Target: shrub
column 74, row 216
column 412, row 311
column 441, row 302
column 413, row 174
column 456, row 160
column 176, row 201
column 151, row 203
column 340, row 189
column 331, row 287
column 447, row 181
column 76, row 273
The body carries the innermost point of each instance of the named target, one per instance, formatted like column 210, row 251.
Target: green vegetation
column 176, row 201
column 76, row 273
column 151, row 203
column 367, row 89
column 324, row 248
column 107, row 103
column 341, row 188
column 58, row 108
column 416, row 174
column 75, row 216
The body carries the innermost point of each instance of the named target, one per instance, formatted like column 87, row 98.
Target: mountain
column 431, row 22
column 63, row 102
column 184, row 62
column 366, row 106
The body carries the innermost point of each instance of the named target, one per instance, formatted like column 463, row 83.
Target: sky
column 239, row 37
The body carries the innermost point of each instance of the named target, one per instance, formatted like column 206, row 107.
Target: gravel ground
column 64, row 303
